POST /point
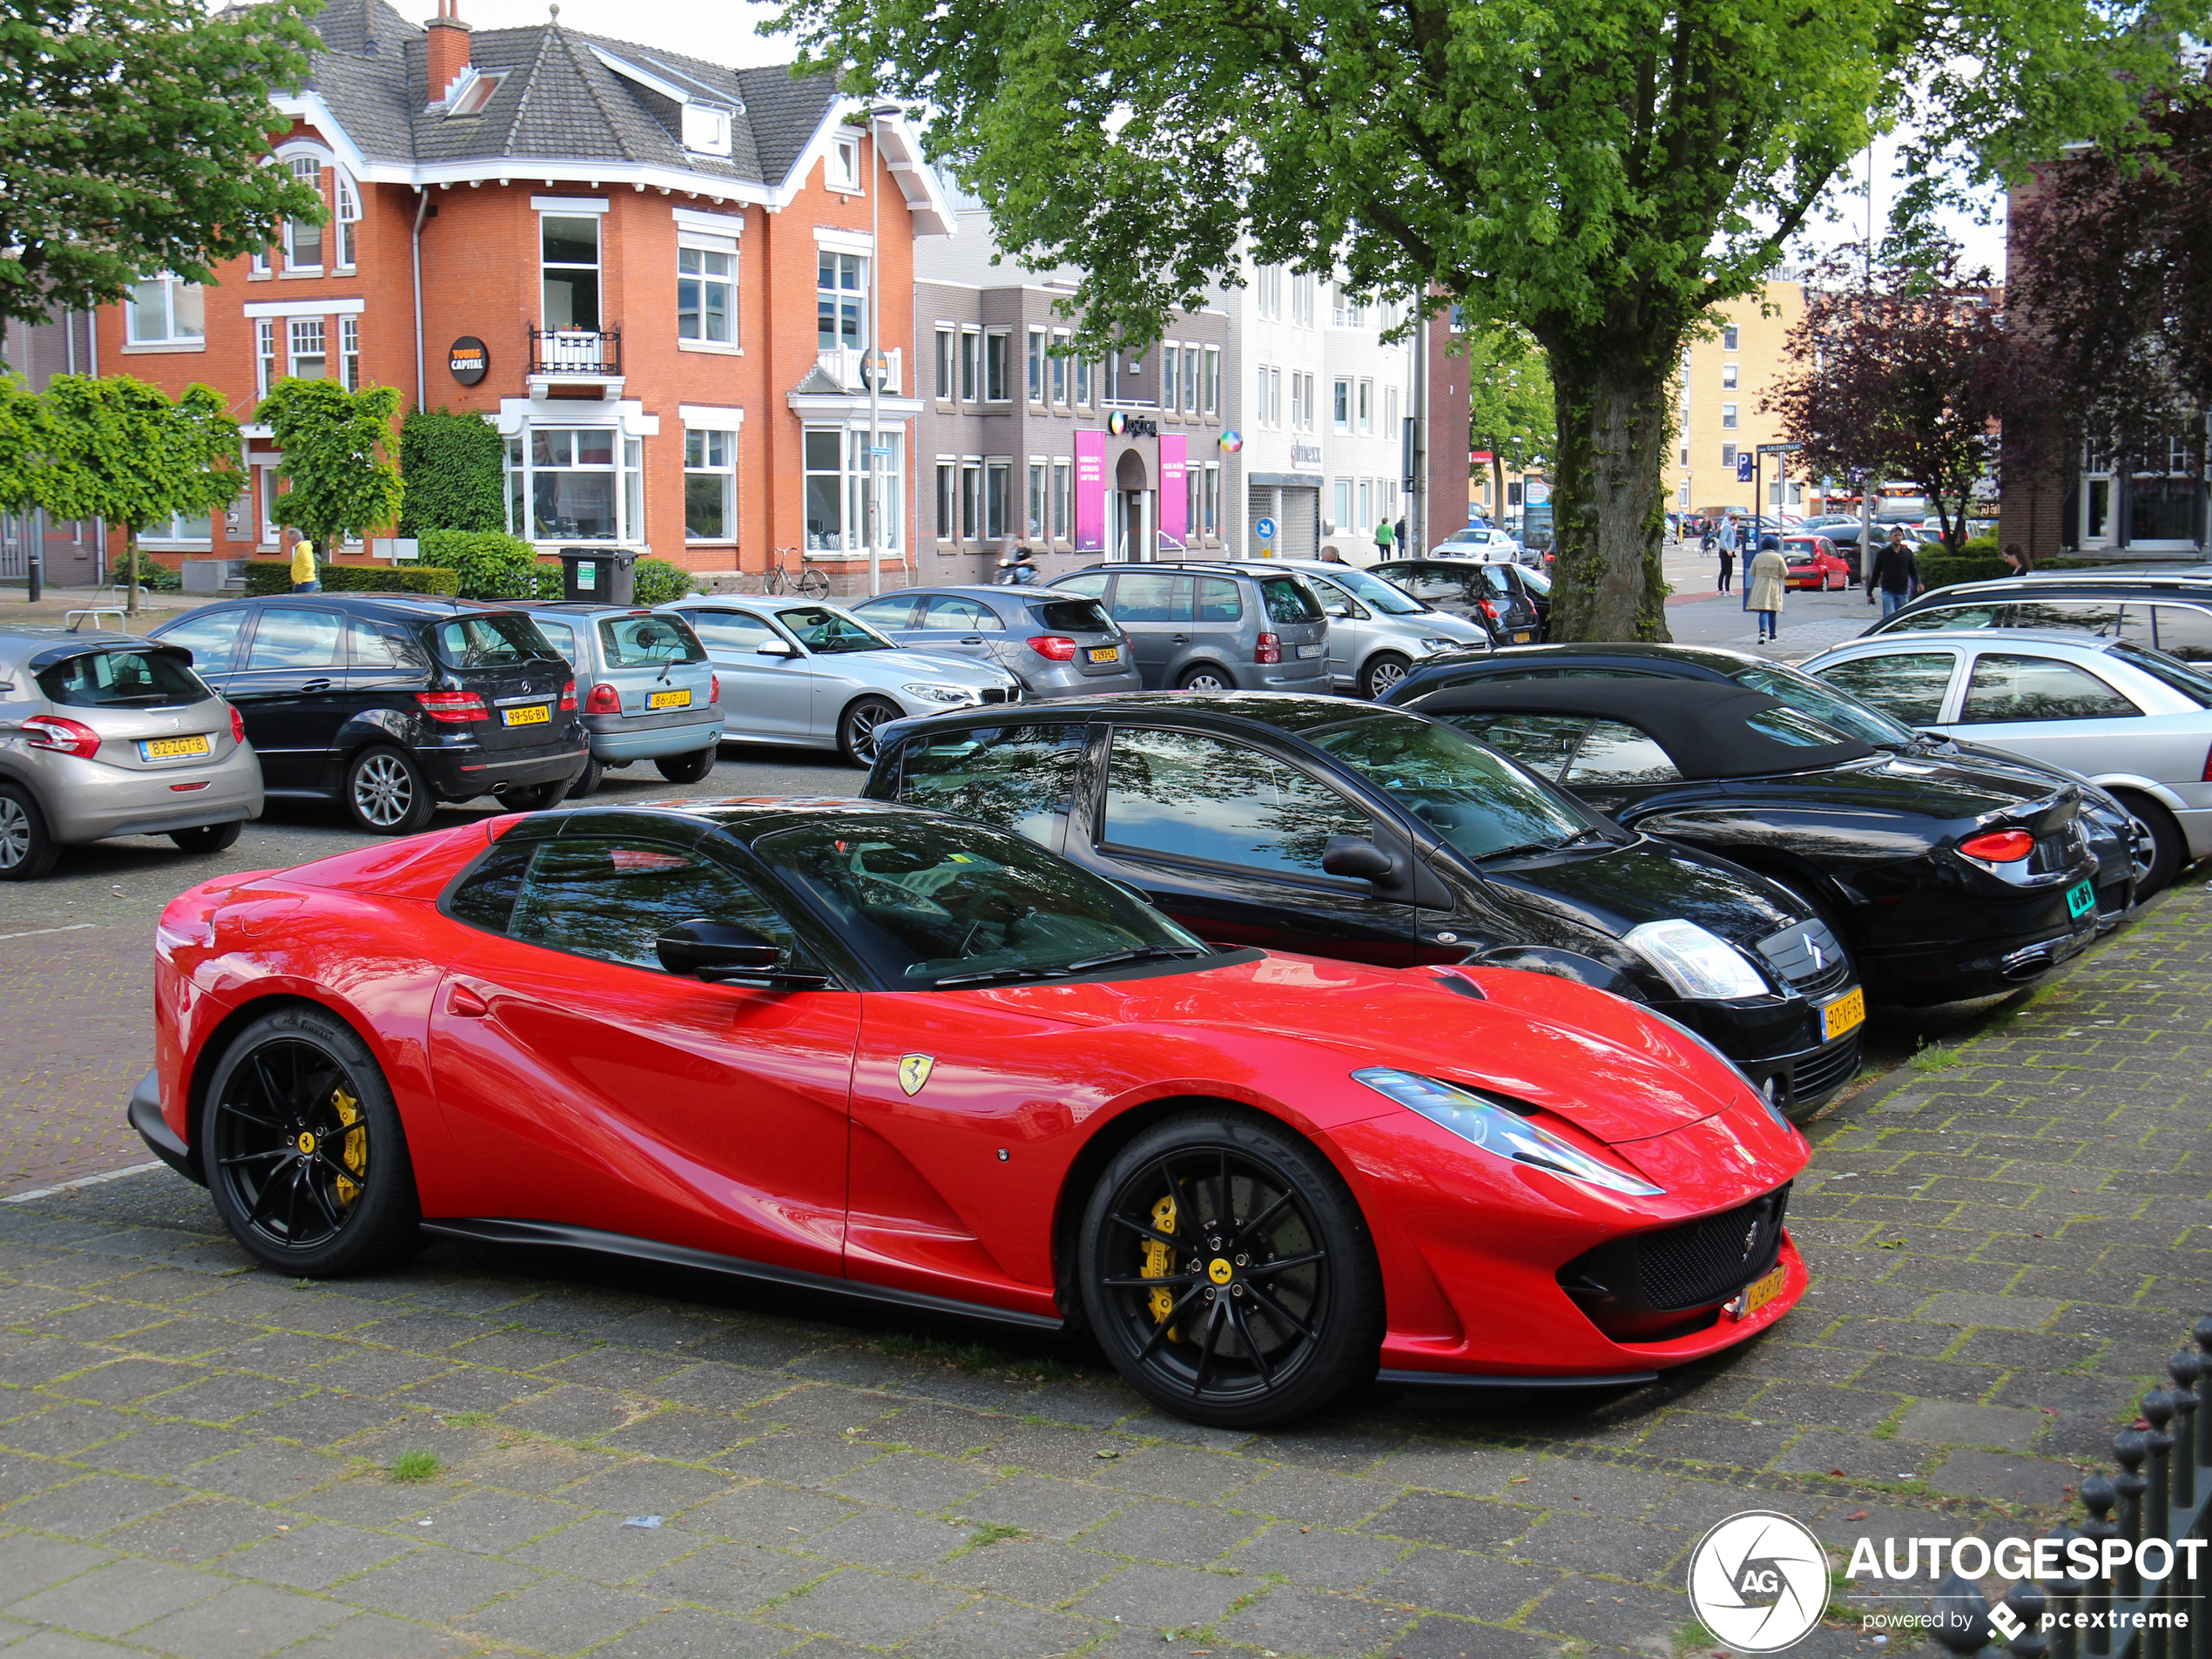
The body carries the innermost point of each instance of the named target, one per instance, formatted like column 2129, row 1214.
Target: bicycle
column 810, row 584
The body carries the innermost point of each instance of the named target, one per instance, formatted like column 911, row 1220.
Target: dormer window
column 706, row 129
column 471, row 94
column 842, row 166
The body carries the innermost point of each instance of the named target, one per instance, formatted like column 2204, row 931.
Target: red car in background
column 865, row 1048
column 1814, row 563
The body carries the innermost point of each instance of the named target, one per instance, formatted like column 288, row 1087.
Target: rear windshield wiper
column 1143, row 954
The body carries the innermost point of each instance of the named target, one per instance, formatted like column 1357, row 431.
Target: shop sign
column 1306, row 457
column 469, row 359
column 1122, row 424
column 1090, row 492
column 1174, row 498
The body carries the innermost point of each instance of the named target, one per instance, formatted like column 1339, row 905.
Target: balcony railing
column 576, row 351
column 842, row 364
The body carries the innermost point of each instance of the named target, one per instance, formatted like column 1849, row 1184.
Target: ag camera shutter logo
column 1759, row 1580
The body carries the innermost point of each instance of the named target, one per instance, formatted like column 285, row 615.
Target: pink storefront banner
column 1174, row 498
column 1090, row 492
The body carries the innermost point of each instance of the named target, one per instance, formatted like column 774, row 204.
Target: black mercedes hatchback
column 1319, row 826
column 390, row 704
column 1941, row 886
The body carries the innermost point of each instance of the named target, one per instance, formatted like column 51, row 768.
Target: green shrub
column 1949, row 570
column 153, row 575
column 490, row 563
column 274, row 576
column 454, row 465
column 552, row 582
column 657, row 581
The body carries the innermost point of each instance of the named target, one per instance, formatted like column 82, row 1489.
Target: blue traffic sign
column 1264, row 529
column 1745, row 467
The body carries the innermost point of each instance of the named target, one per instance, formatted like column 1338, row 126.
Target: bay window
column 575, row 484
column 836, row 463
column 709, row 486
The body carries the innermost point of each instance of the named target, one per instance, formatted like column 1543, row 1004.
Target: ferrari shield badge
column 913, row 1071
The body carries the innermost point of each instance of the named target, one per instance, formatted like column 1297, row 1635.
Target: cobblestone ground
column 200, row 1461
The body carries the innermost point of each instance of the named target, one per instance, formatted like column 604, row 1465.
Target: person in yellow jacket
column 1767, row 586
column 304, row 579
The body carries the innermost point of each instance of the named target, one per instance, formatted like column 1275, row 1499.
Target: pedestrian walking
column 1385, row 536
column 1401, row 537
column 2016, row 560
column 1894, row 572
column 1728, row 570
column 304, row 579
column 1766, row 581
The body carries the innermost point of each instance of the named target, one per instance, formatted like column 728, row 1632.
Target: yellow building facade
column 1725, row 378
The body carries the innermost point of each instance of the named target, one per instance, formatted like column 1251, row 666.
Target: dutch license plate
column 1520, row 640
column 1307, row 653
column 1105, row 653
column 1760, row 1291
column 536, row 714
column 171, row 748
column 2081, row 899
column 669, row 700
column 1846, row 1012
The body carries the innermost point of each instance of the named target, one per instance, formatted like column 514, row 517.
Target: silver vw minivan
column 107, row 734
column 1213, row 626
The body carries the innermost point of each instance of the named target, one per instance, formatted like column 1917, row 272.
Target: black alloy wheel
column 208, row 837
column 303, row 1150
column 385, row 793
column 690, row 766
column 1385, row 669
column 1228, row 1273
column 27, row 851
column 856, row 731
column 1206, row 677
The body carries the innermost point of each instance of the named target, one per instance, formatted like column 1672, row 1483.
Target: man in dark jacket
column 1895, row 571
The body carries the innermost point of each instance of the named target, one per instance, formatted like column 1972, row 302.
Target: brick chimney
column 446, row 37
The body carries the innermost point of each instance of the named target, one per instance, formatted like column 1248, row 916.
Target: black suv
column 391, row 703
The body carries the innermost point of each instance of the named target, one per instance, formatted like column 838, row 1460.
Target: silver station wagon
column 107, row 734
column 644, row 685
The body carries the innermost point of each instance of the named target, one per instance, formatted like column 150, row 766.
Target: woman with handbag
column 1766, row 584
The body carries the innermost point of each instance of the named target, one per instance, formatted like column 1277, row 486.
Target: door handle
column 465, row 1003
column 1178, row 639
column 973, row 639
column 316, row 685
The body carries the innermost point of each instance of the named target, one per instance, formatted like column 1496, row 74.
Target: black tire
column 690, row 766
column 293, row 1085
column 535, row 798
column 1206, row 676
column 856, row 729
column 209, row 838
column 27, row 849
column 1384, row 670
column 585, row 781
column 385, row 793
column 2167, row 850
column 1238, row 1344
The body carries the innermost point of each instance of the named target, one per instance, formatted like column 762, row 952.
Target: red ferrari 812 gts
column 840, row 1045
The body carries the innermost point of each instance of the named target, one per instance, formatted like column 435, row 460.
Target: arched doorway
column 1130, row 517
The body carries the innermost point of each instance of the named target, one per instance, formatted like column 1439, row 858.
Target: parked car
column 2137, row 722
column 108, row 734
column 1813, row 562
column 391, row 704
column 1478, row 542
column 804, row 672
column 1343, row 830
column 1940, row 889
column 850, row 1050
column 646, row 687
column 1055, row 643
column 1376, row 630
column 2168, row 613
column 1213, row 627
column 2121, row 865
column 1485, row 593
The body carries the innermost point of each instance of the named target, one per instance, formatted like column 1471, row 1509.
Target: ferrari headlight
column 1498, row 1131
column 1696, row 964
column 939, row 694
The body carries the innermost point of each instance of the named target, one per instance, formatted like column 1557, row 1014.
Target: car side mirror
column 717, row 950
column 776, row 647
column 1356, row 861
column 1339, row 612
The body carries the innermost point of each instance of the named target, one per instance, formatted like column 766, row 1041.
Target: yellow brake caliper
column 354, row 1147
column 1159, row 1262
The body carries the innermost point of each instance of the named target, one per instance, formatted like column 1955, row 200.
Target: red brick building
column 654, row 274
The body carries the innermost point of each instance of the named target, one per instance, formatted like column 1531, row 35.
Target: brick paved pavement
column 194, row 1457
column 77, row 1038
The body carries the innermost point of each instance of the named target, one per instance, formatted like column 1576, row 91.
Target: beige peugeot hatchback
column 107, row 734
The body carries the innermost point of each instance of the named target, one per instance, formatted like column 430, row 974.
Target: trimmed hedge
column 657, row 581
column 274, row 576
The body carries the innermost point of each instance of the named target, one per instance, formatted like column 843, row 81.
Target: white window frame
column 998, row 496
column 1363, row 408
column 1035, row 508
column 971, row 498
column 314, row 331
column 171, row 290
column 1728, row 418
column 855, row 298
column 265, row 353
column 853, row 491
column 1340, row 404
column 627, row 469
column 1212, row 382
column 598, row 267
column 712, row 452
column 947, row 365
column 349, row 352
column 1003, row 339
column 706, row 129
column 947, row 520
column 346, row 219
column 971, row 365
column 1728, row 376
column 1064, row 483
column 1170, row 377
column 707, row 245
column 1033, row 365
column 306, row 170
column 841, row 166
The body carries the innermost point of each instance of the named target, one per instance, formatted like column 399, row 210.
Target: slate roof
column 558, row 99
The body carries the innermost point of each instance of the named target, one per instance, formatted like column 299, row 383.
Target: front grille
column 1829, row 1069
column 1708, row 1261
column 1809, row 957
column 998, row 694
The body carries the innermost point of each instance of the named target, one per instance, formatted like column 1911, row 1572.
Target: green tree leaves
column 343, row 483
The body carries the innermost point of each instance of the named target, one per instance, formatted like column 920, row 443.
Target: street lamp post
column 874, row 363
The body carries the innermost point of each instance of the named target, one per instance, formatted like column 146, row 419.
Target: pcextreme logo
column 1759, row 1581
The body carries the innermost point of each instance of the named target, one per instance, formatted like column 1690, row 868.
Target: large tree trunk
column 1608, row 508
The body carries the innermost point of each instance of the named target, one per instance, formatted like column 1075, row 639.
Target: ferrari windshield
column 936, row 906
column 1474, row 797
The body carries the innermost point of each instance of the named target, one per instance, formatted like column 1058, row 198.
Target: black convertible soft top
column 1705, row 728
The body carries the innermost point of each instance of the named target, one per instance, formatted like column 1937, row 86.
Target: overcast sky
column 724, row 34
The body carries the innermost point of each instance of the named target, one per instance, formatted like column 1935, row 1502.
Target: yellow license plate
column 1760, row 1291
column 1520, row 640
column 669, row 700
column 536, row 714
column 1846, row 1012
column 1105, row 653
column 170, row 748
